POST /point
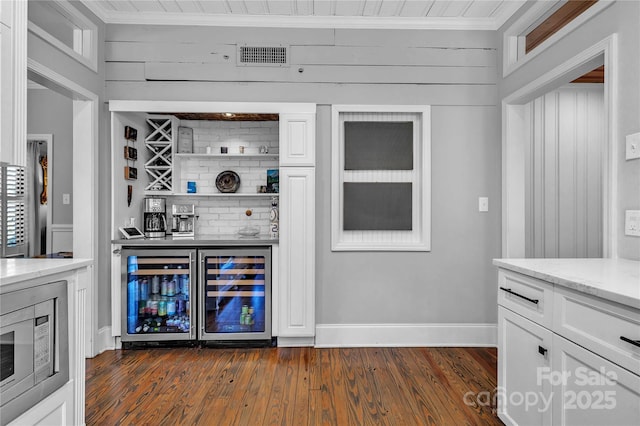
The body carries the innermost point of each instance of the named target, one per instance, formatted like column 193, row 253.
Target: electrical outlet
column 632, row 223
column 633, row 147
column 66, row 198
column 483, row 204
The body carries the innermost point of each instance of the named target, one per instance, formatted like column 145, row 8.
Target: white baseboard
column 294, row 342
column 61, row 237
column 105, row 341
column 408, row 335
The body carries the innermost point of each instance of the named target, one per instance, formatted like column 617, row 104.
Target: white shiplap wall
column 327, row 66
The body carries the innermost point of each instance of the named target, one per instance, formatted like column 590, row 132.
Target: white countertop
column 200, row 240
column 23, row 269
column 617, row 280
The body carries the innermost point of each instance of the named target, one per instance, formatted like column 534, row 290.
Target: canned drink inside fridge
column 155, row 284
column 162, row 308
column 144, row 289
column 153, row 307
column 171, row 307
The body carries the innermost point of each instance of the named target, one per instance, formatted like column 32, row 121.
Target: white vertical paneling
column 550, row 174
column 80, row 306
column 595, row 150
column 564, row 173
column 538, row 190
column 580, row 175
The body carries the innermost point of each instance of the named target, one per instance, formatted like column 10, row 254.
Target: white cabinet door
column 524, row 397
column 297, row 139
column 297, row 252
column 593, row 391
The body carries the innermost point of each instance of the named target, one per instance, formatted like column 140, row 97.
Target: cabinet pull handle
column 508, row 290
column 542, row 351
column 633, row 342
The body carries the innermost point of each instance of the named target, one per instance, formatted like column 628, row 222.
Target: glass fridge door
column 157, row 295
column 235, row 294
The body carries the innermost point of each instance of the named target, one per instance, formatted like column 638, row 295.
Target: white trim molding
column 105, row 341
column 85, row 35
column 490, row 23
column 211, row 107
column 405, row 335
column 513, row 54
column 85, row 159
column 418, row 238
column 295, row 342
column 61, row 237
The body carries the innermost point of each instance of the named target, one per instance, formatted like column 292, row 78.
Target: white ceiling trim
column 344, row 22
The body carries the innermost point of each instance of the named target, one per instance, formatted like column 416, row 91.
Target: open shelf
column 220, row 194
column 274, row 156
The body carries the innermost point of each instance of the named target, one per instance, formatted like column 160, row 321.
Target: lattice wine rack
column 159, row 142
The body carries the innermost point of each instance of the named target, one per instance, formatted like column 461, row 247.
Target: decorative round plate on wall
column 228, row 181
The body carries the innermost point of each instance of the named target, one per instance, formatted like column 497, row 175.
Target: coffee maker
column 155, row 218
column 184, row 216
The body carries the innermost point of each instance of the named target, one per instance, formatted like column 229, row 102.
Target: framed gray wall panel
column 377, row 206
column 378, row 145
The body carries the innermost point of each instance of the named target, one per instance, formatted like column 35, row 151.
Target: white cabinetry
column 66, row 405
column 598, row 392
column 297, row 137
column 297, row 250
column 523, row 354
column 297, row 229
column 561, row 356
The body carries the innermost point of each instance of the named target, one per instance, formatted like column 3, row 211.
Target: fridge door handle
column 192, row 295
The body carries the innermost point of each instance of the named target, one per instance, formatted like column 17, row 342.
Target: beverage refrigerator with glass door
column 235, row 294
column 158, row 292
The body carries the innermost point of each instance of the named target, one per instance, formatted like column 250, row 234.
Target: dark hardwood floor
column 291, row 386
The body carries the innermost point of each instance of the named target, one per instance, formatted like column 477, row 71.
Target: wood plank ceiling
column 471, row 14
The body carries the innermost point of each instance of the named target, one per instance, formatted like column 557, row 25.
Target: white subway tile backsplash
column 226, row 215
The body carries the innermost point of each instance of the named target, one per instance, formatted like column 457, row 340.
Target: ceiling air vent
column 271, row 56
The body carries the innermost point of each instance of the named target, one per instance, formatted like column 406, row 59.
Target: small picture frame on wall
column 130, row 153
column 185, row 140
column 130, row 173
column 273, row 181
column 130, row 133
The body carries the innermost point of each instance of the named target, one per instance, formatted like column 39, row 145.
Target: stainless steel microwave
column 34, row 346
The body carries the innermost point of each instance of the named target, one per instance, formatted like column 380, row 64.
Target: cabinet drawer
column 599, row 325
column 529, row 297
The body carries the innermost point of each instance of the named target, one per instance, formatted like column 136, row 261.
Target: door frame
column 85, row 184
column 514, row 132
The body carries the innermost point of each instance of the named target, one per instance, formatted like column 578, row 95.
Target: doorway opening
column 516, row 131
column 84, row 187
